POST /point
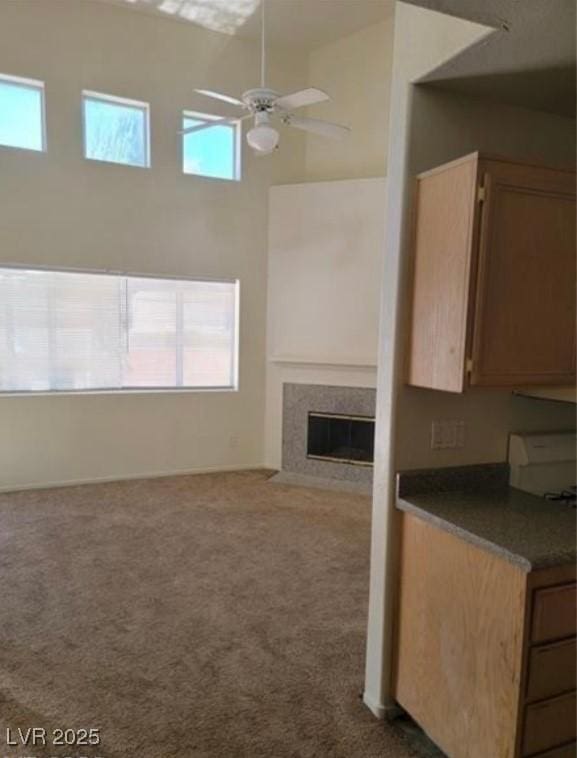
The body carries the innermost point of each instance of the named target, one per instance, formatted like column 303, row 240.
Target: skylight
column 217, row 15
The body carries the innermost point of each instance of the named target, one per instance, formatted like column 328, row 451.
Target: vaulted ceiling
column 300, row 24
column 529, row 61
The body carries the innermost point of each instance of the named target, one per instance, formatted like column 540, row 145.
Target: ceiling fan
column 262, row 103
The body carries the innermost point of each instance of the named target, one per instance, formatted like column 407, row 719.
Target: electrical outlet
column 447, row 434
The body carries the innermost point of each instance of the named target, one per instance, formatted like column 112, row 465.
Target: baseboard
column 127, row 477
column 388, row 711
column 377, row 709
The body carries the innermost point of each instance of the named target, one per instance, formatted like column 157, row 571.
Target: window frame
column 140, row 105
column 137, row 390
column 236, row 126
column 38, row 86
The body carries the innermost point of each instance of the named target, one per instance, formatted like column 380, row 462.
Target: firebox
column 341, row 438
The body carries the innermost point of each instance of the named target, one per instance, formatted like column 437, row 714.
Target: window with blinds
column 68, row 331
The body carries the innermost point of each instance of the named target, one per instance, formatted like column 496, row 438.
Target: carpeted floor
column 214, row 615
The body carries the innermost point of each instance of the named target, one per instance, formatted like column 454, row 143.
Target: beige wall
column 422, row 40
column 356, row 72
column 326, row 246
column 326, row 243
column 57, row 209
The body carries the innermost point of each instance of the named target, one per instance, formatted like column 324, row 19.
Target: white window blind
column 66, row 331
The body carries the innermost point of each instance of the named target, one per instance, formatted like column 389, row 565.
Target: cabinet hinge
column 481, row 194
column 469, row 366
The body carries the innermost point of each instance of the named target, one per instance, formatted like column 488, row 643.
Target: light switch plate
column 447, row 434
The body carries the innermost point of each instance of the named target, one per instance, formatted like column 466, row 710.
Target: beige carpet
column 214, row 615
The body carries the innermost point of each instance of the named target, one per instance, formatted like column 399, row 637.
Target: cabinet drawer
column 567, row 751
column 554, row 611
column 551, row 669
column 549, row 723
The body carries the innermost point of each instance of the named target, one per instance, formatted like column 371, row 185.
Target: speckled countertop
column 526, row 530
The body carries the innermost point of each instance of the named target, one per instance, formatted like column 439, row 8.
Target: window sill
column 122, row 164
column 214, row 179
column 21, row 148
column 130, row 391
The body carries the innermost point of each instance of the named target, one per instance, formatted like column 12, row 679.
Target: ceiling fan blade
column 214, row 122
column 220, row 96
column 308, row 96
column 316, row 126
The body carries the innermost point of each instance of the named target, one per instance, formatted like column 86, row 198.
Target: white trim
column 129, row 103
column 134, row 476
column 38, row 86
column 23, row 80
column 377, row 709
column 93, row 95
column 236, row 346
column 235, row 125
column 295, row 360
column 116, row 391
column 388, row 711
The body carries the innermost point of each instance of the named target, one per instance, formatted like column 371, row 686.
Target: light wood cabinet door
column 459, row 637
column 493, row 297
column 524, row 326
column 467, row 664
column 443, row 238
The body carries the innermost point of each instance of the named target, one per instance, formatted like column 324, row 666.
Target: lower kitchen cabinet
column 485, row 651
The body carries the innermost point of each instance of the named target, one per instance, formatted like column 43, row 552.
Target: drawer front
column 549, row 724
column 551, row 670
column 554, row 610
column 567, row 751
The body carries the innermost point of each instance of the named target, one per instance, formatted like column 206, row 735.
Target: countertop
column 524, row 529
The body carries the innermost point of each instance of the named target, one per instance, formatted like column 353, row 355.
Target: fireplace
column 327, row 433
column 341, row 438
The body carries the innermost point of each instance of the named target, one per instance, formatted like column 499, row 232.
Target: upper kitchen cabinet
column 493, row 300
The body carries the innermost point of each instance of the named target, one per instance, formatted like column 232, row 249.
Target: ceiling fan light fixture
column 262, row 102
column 263, row 138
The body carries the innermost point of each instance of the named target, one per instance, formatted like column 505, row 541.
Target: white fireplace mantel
column 338, row 363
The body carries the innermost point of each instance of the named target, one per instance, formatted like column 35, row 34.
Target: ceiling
column 529, row 61
column 304, row 24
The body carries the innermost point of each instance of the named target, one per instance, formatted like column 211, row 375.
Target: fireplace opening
column 346, row 439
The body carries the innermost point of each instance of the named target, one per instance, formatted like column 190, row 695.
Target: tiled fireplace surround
column 301, row 399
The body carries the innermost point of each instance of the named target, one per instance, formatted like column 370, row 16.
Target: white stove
column 544, row 464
